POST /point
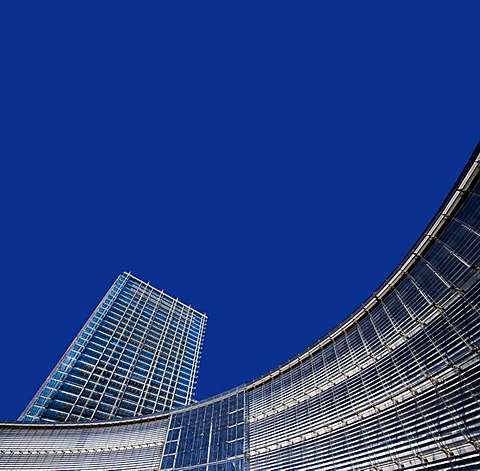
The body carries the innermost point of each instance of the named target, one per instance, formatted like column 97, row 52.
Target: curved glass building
column 396, row 386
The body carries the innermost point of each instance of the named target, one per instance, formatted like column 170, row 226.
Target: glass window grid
column 126, row 349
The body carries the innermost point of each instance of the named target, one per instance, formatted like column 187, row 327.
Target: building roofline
column 129, row 275
column 460, row 189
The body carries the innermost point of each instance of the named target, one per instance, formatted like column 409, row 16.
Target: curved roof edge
column 456, row 195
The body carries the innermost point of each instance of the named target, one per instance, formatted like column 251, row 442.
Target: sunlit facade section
column 396, row 386
column 113, row 446
column 137, row 354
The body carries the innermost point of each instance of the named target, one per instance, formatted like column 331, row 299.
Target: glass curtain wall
column 137, row 354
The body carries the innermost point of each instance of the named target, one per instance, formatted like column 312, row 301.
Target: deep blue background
column 268, row 162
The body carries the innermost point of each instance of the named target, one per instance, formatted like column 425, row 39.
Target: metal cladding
column 395, row 386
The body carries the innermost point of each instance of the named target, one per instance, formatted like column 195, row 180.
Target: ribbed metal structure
column 395, row 386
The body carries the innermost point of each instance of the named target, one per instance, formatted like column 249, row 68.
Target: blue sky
column 269, row 163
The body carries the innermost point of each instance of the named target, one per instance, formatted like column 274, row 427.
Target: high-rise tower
column 137, row 354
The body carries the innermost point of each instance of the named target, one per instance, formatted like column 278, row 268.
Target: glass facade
column 396, row 386
column 211, row 436
column 137, row 354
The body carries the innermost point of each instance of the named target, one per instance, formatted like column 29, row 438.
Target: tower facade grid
column 137, row 354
